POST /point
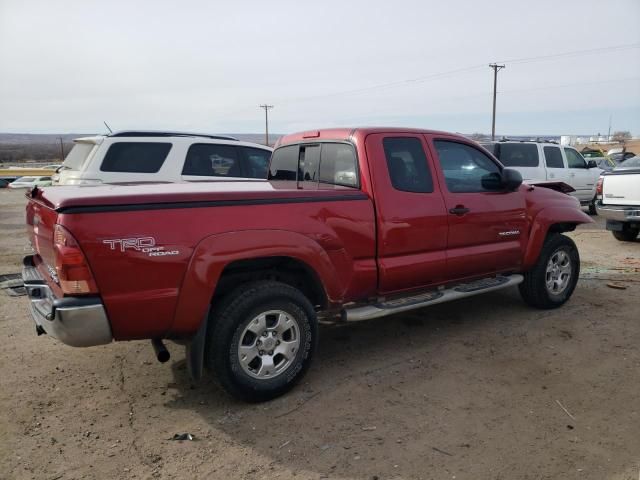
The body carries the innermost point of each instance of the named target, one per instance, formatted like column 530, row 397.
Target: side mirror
column 591, row 164
column 511, row 179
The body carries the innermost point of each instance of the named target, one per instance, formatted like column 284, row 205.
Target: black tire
column 626, row 234
column 534, row 288
column 592, row 207
column 231, row 319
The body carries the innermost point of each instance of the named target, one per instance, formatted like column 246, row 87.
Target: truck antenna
column 105, row 124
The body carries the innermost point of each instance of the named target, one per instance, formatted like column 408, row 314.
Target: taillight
column 72, row 268
column 599, row 188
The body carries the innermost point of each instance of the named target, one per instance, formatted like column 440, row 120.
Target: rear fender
column 555, row 219
column 214, row 253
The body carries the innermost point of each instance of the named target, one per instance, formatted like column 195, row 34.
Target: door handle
column 459, row 210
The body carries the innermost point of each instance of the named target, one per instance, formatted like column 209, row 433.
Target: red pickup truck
column 352, row 224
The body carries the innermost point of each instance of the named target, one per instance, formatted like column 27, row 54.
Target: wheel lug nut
column 273, row 333
column 258, row 342
column 264, row 334
column 277, row 342
column 261, row 352
column 270, row 352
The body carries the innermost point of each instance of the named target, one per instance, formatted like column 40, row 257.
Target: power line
column 449, row 73
column 575, row 53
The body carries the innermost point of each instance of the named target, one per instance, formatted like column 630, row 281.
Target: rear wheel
column 627, row 234
column 262, row 340
column 592, row 207
column 551, row 281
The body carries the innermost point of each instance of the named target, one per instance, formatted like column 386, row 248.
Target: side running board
column 403, row 304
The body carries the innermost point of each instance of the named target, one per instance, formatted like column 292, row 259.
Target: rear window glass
column 78, row 155
column 257, row 164
column 338, row 165
column 309, row 163
column 284, row 163
column 209, row 160
column 135, row 157
column 517, row 154
column 553, row 157
column 407, row 164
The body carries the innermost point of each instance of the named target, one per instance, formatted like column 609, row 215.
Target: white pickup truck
column 618, row 195
column 543, row 162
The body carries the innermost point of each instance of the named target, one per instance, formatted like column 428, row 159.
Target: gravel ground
column 483, row 388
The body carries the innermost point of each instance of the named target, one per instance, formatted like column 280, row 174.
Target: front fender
column 559, row 217
column 215, row 252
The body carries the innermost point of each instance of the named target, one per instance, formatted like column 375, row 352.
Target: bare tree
column 622, row 135
column 478, row 136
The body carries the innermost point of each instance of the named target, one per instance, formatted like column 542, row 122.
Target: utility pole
column 609, row 134
column 266, row 122
column 496, row 68
column 61, row 149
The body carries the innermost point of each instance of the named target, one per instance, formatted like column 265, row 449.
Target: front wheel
column 262, row 340
column 551, row 281
column 626, row 234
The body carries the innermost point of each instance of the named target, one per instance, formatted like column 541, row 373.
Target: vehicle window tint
column 574, row 160
column 517, row 154
column 209, row 160
column 338, row 165
column 466, row 169
column 284, row 163
column 553, row 157
column 257, row 162
column 407, row 164
column 309, row 162
column 135, row 157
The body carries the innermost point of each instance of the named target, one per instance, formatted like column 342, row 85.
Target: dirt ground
column 484, row 388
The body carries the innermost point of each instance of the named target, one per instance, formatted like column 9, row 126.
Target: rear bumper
column 76, row 321
column 619, row 213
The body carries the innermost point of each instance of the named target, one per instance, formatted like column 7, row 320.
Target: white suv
column 145, row 156
column 541, row 162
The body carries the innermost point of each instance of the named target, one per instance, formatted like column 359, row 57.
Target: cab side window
column 257, row 162
column 574, row 160
column 466, row 169
column 553, row 157
column 210, row 160
column 407, row 164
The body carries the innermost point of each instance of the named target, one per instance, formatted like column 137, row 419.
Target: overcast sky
column 65, row 66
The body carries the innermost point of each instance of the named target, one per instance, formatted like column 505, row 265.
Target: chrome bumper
column 76, row 321
column 619, row 213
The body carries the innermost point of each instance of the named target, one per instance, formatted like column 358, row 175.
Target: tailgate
column 41, row 220
column 621, row 188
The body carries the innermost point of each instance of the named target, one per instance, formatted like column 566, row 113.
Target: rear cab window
column 135, row 157
column 407, row 164
column 331, row 163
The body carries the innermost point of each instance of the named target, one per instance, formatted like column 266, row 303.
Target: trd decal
column 141, row 244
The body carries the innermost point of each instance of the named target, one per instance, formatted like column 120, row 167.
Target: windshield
column 26, row 179
column 78, row 155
